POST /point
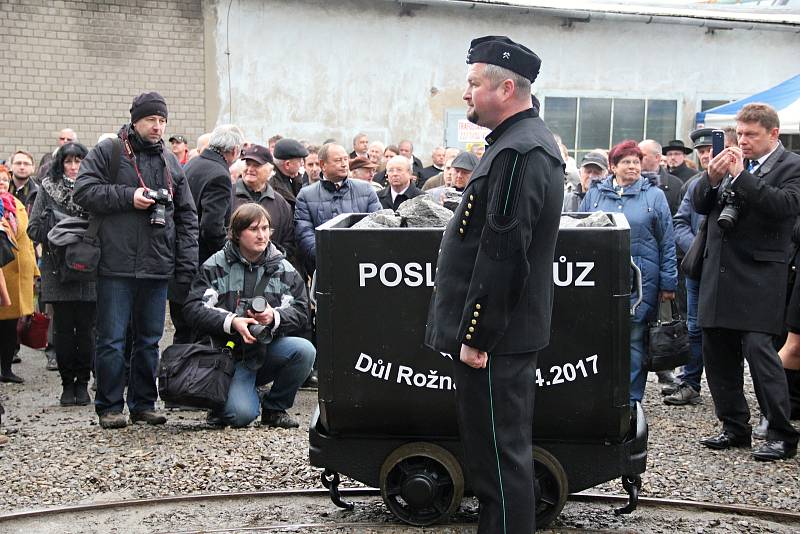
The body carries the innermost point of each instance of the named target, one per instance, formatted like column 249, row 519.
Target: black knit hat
column 501, row 51
column 147, row 104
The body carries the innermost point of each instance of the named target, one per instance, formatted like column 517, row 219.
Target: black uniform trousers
column 495, row 418
column 723, row 350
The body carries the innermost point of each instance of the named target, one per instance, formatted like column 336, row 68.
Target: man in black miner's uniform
column 494, row 285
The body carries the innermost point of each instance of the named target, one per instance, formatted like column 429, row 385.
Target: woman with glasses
column 645, row 207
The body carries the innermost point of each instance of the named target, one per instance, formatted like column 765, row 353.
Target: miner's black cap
column 501, row 51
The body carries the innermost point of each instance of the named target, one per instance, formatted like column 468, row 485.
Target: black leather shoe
column 12, row 378
column 312, row 382
column 775, row 450
column 82, row 397
column 215, row 421
column 148, row 416
column 67, row 395
column 760, row 431
column 725, row 440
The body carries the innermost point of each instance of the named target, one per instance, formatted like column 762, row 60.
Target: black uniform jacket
column 210, row 182
column 494, row 278
column 385, row 196
column 745, row 269
column 671, row 186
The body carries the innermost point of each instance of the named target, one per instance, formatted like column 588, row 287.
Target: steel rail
column 740, row 509
column 392, row 527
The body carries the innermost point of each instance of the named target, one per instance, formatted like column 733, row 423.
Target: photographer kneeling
column 222, row 305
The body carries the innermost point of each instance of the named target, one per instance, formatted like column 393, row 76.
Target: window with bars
column 791, row 142
column 588, row 123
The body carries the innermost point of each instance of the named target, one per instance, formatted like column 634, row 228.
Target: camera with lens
column 261, row 332
column 731, row 205
column 158, row 211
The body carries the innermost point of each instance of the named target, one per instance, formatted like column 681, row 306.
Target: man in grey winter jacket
column 221, row 306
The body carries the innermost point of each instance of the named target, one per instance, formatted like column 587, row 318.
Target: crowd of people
column 205, row 229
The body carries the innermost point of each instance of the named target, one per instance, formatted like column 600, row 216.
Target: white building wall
column 315, row 69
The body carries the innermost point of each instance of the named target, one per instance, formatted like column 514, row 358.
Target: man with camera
column 148, row 234
column 751, row 196
column 249, row 294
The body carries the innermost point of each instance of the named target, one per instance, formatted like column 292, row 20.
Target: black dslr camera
column 731, row 205
column 158, row 211
column 259, row 331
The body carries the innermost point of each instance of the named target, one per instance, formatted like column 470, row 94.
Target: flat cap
column 258, row 153
column 701, row 137
column 595, row 158
column 361, row 162
column 289, row 149
column 501, row 51
column 178, row 138
column 465, row 160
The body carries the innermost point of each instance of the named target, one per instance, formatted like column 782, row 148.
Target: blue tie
column 752, row 165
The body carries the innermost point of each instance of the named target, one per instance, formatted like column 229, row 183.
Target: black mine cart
column 386, row 414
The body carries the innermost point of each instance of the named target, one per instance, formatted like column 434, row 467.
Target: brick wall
column 79, row 64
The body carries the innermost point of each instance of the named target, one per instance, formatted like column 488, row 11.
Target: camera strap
column 261, row 285
column 126, row 144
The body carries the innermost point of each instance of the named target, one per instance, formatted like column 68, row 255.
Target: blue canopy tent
column 784, row 97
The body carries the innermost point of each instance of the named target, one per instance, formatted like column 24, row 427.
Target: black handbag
column 195, row 375
column 668, row 343
column 692, row 263
column 81, row 259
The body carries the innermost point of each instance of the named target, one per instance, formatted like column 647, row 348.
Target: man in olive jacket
column 493, row 296
column 145, row 241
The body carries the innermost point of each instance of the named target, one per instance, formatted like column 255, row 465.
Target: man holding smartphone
column 751, row 196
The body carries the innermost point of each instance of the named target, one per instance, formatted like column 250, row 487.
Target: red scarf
column 10, row 209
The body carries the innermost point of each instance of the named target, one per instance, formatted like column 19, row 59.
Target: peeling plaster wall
column 317, row 69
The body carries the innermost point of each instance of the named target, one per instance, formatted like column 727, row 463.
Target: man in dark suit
column 407, row 149
column 400, row 188
column 436, row 166
column 492, row 301
column 751, row 195
column 210, row 183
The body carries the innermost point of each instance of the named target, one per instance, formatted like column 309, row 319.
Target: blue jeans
column 143, row 304
column 288, row 363
column 693, row 370
column 638, row 375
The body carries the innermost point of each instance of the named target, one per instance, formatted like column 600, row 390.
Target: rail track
column 783, row 517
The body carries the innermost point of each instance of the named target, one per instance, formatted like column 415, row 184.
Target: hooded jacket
column 652, row 238
column 221, row 291
column 131, row 246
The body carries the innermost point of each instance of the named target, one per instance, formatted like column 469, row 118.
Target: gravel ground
column 60, row 456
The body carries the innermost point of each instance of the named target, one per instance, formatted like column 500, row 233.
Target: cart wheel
column 551, row 486
column 421, row 483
